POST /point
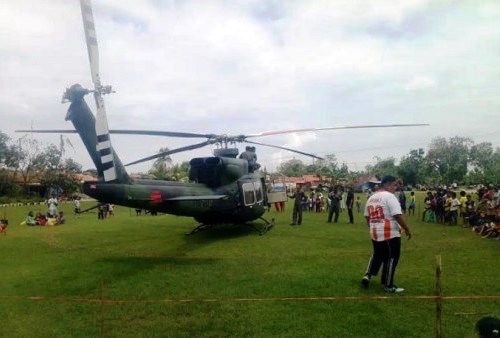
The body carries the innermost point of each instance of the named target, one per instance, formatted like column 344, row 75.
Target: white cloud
column 420, row 82
column 244, row 67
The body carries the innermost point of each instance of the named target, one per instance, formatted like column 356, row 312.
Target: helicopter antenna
column 101, row 126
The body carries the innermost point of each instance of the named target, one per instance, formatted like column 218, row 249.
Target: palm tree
column 160, row 167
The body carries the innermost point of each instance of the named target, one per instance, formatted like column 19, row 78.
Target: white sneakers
column 393, row 289
column 365, row 281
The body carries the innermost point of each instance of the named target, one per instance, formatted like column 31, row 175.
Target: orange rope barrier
column 222, row 300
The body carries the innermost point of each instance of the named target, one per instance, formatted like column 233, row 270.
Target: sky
column 246, row 67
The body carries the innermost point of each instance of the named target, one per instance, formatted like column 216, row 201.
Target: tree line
column 26, row 160
column 454, row 160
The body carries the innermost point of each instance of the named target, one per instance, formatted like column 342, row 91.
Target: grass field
column 140, row 276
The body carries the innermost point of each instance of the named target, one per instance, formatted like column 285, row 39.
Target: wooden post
column 439, row 299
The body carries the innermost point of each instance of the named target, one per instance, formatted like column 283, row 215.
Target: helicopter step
column 268, row 225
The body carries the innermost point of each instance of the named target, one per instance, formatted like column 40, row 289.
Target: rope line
column 241, row 300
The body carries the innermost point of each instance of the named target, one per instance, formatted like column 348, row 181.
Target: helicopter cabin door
column 251, row 193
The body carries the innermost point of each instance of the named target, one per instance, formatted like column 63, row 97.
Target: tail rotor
column 101, row 126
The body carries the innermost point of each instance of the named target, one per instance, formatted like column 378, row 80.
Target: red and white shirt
column 381, row 208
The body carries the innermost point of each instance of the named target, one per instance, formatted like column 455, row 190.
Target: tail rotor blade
column 103, row 140
column 101, row 125
column 91, row 38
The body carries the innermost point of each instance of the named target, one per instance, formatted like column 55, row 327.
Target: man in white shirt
column 52, row 204
column 385, row 218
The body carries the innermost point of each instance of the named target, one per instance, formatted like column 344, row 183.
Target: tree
column 31, row 159
column 61, row 181
column 159, row 170
column 449, row 158
column 4, row 147
column 8, row 153
column 293, row 167
column 330, row 166
column 411, row 167
column 484, row 164
column 492, row 172
column 71, row 166
column 179, row 172
column 383, row 167
column 56, row 172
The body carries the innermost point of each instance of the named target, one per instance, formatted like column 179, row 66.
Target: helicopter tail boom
column 84, row 122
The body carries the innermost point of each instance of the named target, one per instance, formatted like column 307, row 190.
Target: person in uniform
column 251, row 156
column 350, row 205
column 334, row 208
column 297, row 206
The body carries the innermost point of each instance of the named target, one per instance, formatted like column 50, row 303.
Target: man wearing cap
column 385, row 219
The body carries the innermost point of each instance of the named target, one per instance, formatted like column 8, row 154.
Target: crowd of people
column 480, row 213
column 338, row 199
column 51, row 217
column 44, row 219
column 105, row 210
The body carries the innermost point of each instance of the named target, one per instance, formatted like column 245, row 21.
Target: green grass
column 229, row 281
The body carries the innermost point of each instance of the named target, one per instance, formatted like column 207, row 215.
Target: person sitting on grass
column 30, row 220
column 493, row 230
column 51, row 221
column 41, row 219
column 60, row 219
column 491, row 227
column 3, row 226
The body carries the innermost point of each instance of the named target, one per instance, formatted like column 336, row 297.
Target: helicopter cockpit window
column 248, row 193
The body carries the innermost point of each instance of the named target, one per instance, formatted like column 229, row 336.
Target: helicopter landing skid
column 200, row 227
column 267, row 226
column 261, row 230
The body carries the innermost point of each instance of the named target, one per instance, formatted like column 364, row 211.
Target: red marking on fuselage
column 156, row 196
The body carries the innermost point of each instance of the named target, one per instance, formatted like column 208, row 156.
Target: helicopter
column 222, row 189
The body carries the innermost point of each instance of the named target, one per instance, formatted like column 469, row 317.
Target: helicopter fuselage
column 237, row 202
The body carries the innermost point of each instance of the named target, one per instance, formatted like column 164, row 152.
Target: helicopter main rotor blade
column 47, row 131
column 169, row 152
column 101, row 125
column 284, row 148
column 159, row 133
column 123, row 131
column 289, row 131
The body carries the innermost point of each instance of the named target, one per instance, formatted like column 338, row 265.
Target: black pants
column 385, row 253
column 334, row 209
column 297, row 214
column 351, row 216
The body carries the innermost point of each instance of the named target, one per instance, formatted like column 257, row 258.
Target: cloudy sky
column 243, row 67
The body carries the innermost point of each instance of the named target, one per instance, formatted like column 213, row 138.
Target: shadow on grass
column 145, row 262
column 224, row 231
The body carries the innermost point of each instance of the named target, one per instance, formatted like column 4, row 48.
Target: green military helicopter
column 223, row 189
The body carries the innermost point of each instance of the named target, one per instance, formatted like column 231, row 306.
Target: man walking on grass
column 385, row 218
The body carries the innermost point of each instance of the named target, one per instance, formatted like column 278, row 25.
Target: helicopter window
column 248, row 193
column 258, row 191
